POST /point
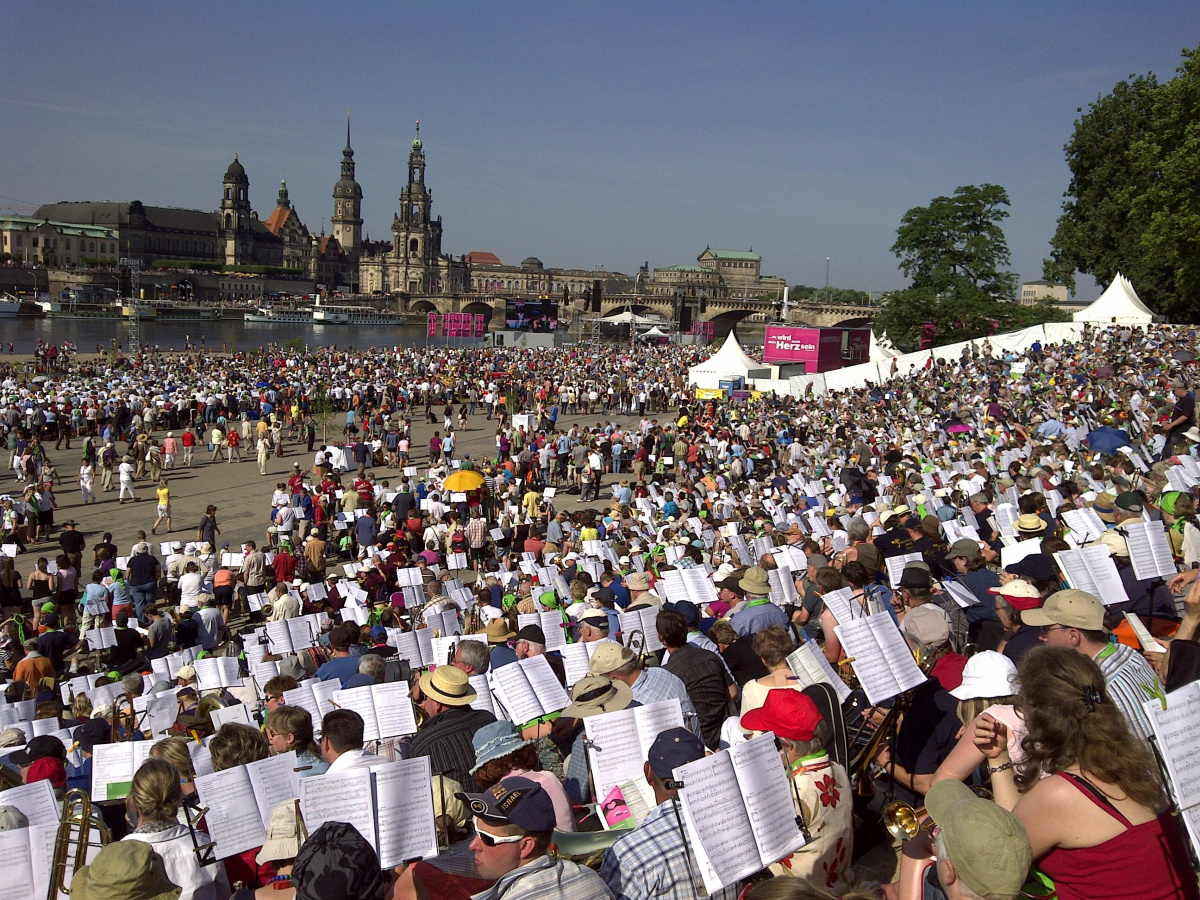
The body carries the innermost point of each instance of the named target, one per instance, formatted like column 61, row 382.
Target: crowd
column 1021, row 526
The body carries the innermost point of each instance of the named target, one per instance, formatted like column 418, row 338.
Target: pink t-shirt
column 1016, row 728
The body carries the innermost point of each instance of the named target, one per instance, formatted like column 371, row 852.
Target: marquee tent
column 1118, row 305
column 729, row 362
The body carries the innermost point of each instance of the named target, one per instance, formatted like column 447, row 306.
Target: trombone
column 904, row 823
column 124, row 713
column 75, row 830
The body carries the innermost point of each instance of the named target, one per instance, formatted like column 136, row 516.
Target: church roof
column 683, row 269
column 483, row 258
column 278, row 218
column 744, row 255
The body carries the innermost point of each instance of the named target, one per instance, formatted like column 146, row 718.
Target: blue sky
column 585, row 134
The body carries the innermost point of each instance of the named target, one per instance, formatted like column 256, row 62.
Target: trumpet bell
column 902, row 821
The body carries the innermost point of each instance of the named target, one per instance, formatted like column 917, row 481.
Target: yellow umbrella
column 463, row 480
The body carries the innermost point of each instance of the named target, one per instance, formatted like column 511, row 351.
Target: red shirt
column 189, row 439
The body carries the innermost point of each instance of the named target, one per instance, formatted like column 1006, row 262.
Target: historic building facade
column 413, row 263
column 53, row 244
column 718, row 275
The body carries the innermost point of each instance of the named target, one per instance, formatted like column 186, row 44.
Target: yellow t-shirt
column 164, row 495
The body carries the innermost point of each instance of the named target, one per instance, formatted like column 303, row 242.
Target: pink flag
column 431, row 325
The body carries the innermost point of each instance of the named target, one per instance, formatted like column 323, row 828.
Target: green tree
column 957, row 241
column 1133, row 203
column 954, row 250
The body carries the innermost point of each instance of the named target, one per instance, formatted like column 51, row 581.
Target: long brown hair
column 1071, row 720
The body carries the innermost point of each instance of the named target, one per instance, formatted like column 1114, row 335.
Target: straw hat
column 593, row 695
column 499, row 632
column 283, row 834
column 448, row 686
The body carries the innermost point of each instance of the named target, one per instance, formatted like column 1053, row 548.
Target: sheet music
column 238, row 714
column 274, row 780
column 512, row 687
column 576, row 658
column 895, row 566
column 1014, row 553
column 718, row 825
column 234, row 821
column 811, row 667
column 1006, row 519
column 404, row 800
column 765, row 791
column 545, row 684
column 841, row 604
column 483, row 694
column 36, row 801
column 393, row 709
column 1149, row 550
column 959, row 593
column 16, row 858
column 344, row 797
column 1105, row 576
column 1175, row 729
column 1085, row 522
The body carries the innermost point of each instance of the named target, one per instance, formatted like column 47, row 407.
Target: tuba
column 75, row 830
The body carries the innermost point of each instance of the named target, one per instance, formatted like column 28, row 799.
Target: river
column 229, row 334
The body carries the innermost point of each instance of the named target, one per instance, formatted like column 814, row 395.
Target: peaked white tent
column 729, row 362
column 1119, row 304
column 654, row 332
column 882, row 348
column 626, row 317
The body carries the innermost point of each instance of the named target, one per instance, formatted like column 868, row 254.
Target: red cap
column 789, row 713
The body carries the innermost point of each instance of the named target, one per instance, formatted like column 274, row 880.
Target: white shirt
column 354, row 759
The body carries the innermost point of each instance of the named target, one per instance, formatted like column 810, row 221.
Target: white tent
column 882, row 348
column 1119, row 304
column 624, row 318
column 729, row 362
column 654, row 332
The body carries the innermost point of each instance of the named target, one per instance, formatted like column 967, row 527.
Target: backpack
column 458, row 542
column 110, row 457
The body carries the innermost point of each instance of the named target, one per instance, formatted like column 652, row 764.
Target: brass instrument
column 635, row 641
column 75, row 830
column 124, row 714
column 904, row 823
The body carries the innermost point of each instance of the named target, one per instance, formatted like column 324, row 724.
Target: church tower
column 416, row 236
column 235, row 216
column 347, row 204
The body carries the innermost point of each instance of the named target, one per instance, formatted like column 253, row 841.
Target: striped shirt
column 1131, row 682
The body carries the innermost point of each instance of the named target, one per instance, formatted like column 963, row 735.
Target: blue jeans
column 143, row 595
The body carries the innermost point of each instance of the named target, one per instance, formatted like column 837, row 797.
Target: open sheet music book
column 879, row 656
column 390, row 805
column 240, row 801
column 690, row 584
column 643, row 620
column 552, row 625
column 1175, row 730
column 738, row 811
column 1149, row 550
column 316, row 697
column 811, row 667
column 895, row 566
column 618, row 743
column 215, row 672
column 27, row 855
column 1091, row 569
column 113, row 766
column 415, row 646
column 528, row 689
column 576, row 658
column 385, row 709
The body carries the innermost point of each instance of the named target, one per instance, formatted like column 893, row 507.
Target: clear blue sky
column 585, row 134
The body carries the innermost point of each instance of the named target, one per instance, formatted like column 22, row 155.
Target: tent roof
column 625, row 317
column 1119, row 303
column 731, row 359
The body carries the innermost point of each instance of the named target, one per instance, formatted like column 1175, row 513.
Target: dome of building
column 531, row 262
column 235, row 172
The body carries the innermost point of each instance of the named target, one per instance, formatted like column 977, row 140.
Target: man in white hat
column 648, row 685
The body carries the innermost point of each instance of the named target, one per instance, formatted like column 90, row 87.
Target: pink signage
column 817, row 349
column 480, row 325
column 431, row 325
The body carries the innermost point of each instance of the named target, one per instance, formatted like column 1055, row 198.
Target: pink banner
column 431, row 324
column 480, row 325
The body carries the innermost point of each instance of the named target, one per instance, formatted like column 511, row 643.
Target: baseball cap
column 1071, row 608
column 1020, row 595
column 965, row 548
column 987, row 674
column 673, row 748
column 91, row 733
column 608, row 657
column 44, row 746
column 1038, row 566
column 532, row 633
column 1114, row 541
column 513, row 801
column 987, row 844
column 687, row 609
column 1130, row 502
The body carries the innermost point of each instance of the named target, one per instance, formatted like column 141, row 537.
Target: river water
column 229, row 334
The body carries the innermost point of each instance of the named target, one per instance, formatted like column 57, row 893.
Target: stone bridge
column 725, row 313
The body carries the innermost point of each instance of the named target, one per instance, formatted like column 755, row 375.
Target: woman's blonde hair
column 155, row 792
column 237, row 745
column 174, row 750
column 81, row 707
column 969, row 710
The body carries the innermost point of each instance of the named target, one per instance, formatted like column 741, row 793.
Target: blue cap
column 513, row 800
column 378, row 633
column 673, row 748
column 687, row 609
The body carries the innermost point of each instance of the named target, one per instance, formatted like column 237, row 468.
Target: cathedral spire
column 347, row 151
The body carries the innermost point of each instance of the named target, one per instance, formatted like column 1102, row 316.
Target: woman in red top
column 1098, row 824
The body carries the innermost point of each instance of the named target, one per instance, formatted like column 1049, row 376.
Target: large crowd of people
column 1017, row 531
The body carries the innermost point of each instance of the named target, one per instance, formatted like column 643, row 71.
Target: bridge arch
column 479, row 307
column 725, row 322
column 422, row 306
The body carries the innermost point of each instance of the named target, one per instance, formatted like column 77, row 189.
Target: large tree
column 954, row 251
column 1133, row 204
column 956, row 243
